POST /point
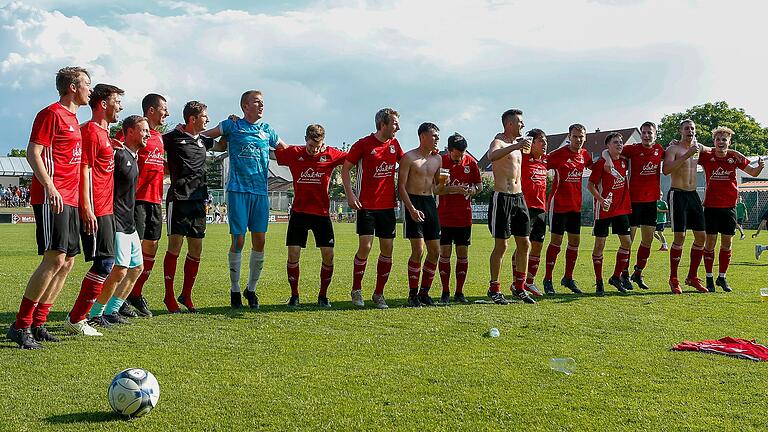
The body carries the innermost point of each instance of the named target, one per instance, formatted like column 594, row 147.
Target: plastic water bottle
column 764, row 294
column 565, row 365
column 608, row 201
column 493, row 333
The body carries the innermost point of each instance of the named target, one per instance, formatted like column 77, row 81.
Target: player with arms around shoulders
column 507, row 211
column 720, row 165
column 455, row 213
column 418, row 180
column 311, row 167
column 612, row 208
column 534, row 178
column 375, row 157
column 54, row 153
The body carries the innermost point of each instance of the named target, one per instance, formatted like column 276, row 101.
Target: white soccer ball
column 134, row 392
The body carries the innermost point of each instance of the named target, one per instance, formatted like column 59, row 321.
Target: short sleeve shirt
column 57, row 130
column 99, row 155
column 311, row 177
column 249, row 145
column 644, row 171
column 611, row 187
column 720, row 174
column 126, row 178
column 376, row 163
column 661, row 217
column 566, row 186
column 534, row 181
column 455, row 210
column 186, row 163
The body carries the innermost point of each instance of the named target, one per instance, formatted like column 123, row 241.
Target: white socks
column 255, row 265
column 235, row 259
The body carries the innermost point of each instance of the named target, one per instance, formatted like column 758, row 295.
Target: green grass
column 411, row 369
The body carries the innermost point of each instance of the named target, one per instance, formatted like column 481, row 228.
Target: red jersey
column 606, row 183
column 534, row 179
column 720, row 174
column 376, row 162
column 566, row 186
column 455, row 210
column 311, row 176
column 644, row 171
column 151, row 168
column 100, row 156
column 56, row 129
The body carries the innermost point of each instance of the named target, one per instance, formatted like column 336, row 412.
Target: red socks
column 414, row 268
column 169, row 273
column 149, row 263
column 40, row 316
column 494, row 287
column 597, row 264
column 724, row 261
column 709, row 260
column 675, row 253
column 191, row 266
column 552, row 252
column 462, row 264
column 358, row 272
column 427, row 275
column 444, row 266
column 533, row 267
column 697, row 252
column 519, row 284
column 24, row 317
column 622, row 260
column 643, row 252
column 383, row 267
column 292, row 269
column 571, row 253
column 89, row 290
column 326, row 274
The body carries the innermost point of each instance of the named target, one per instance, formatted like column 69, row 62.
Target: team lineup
column 106, row 194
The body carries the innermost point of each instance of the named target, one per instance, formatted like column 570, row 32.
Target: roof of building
column 15, row 167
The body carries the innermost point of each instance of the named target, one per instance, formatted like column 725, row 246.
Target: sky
column 607, row 64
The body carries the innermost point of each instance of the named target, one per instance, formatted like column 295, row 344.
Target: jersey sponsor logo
column 310, row 176
column 618, row 183
column 250, row 151
column 111, row 166
column 384, row 170
column 538, row 174
column 649, row 168
column 155, row 157
column 721, row 174
column 574, row 175
column 76, row 155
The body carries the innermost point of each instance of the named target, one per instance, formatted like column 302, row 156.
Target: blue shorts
column 128, row 250
column 247, row 210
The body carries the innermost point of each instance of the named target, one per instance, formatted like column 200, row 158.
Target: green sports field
column 404, row 369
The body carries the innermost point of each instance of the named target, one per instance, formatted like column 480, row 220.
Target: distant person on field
column 742, row 216
column 661, row 221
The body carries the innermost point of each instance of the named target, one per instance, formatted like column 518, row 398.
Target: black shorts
column 376, row 222
column 299, row 225
column 430, row 228
column 720, row 220
column 685, row 210
column 538, row 224
column 660, row 226
column 508, row 216
column 643, row 214
column 149, row 220
column 618, row 224
column 460, row 236
column 186, row 217
column 59, row 232
column 562, row 222
column 100, row 244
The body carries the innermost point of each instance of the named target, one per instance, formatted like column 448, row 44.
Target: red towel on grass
column 729, row 346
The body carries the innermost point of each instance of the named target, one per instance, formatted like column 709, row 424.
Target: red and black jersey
column 644, row 171
column 57, row 130
column 311, row 176
column 455, row 210
column 534, row 181
column 720, row 174
column 376, row 163
column 616, row 187
column 99, row 155
column 566, row 186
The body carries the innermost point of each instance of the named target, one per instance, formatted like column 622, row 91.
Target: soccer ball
column 133, row 392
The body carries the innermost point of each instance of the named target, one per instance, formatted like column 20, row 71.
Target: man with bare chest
column 418, row 180
column 507, row 212
column 685, row 207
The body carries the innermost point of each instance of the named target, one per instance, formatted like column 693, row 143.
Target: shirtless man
column 418, row 174
column 686, row 211
column 507, row 212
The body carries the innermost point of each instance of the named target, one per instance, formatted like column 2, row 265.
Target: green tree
column 484, row 197
column 17, row 153
column 750, row 138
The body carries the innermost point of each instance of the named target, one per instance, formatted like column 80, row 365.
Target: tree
column 484, row 197
column 17, row 153
column 750, row 138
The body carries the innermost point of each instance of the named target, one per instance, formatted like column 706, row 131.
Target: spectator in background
column 741, row 217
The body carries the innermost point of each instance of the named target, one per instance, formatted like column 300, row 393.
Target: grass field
column 406, row 369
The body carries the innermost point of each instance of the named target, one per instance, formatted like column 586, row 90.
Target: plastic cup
column 565, row 365
column 445, row 175
column 526, row 147
column 764, row 294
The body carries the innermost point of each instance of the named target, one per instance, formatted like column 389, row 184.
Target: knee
column 103, row 266
column 67, row 265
